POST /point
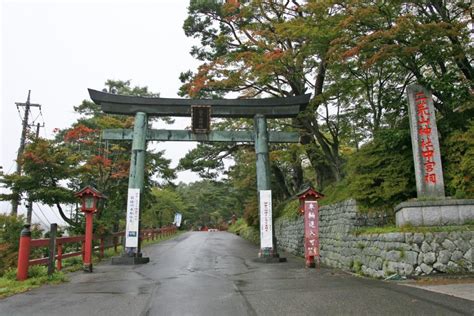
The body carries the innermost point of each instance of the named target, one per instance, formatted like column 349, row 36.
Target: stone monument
column 431, row 208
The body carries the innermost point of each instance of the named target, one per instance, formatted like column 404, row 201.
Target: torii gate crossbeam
column 142, row 107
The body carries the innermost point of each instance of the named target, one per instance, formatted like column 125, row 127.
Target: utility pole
column 25, row 125
column 29, row 207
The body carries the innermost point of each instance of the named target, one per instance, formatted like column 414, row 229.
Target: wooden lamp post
column 90, row 198
column 310, row 210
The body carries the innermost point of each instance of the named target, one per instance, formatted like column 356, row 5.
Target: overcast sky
column 58, row 49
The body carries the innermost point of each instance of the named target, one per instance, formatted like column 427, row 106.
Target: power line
column 44, row 123
column 11, row 166
column 39, row 218
column 19, row 113
column 41, row 210
column 55, row 215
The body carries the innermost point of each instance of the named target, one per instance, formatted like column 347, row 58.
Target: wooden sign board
column 311, row 233
column 201, row 119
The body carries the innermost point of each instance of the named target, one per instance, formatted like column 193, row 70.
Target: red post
column 59, row 263
column 87, row 263
column 24, row 253
column 310, row 210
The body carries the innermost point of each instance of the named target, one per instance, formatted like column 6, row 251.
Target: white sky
column 58, row 49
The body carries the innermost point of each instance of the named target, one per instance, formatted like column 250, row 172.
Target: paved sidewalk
column 462, row 287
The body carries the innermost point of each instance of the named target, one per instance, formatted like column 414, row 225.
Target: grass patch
column 335, row 193
column 38, row 275
column 241, row 229
column 357, row 267
column 411, row 229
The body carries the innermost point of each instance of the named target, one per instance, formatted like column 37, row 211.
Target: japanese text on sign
column 201, row 118
column 266, row 240
column 311, row 228
column 424, row 130
column 133, row 216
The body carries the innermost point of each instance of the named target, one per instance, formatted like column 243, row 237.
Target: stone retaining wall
column 378, row 255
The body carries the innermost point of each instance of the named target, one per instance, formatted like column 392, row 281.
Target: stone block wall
column 379, row 255
column 290, row 235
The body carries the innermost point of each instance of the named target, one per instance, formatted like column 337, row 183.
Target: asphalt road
column 204, row 273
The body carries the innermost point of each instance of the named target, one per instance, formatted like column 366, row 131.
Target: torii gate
column 201, row 111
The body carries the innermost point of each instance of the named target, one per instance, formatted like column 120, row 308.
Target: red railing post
column 87, row 262
column 59, row 263
column 24, row 253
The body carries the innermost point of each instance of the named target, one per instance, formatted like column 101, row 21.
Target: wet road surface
column 214, row 273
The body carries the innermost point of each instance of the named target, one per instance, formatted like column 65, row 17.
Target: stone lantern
column 89, row 200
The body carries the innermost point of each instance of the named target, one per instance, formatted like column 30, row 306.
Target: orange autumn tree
column 48, row 167
column 105, row 164
column 355, row 57
column 78, row 156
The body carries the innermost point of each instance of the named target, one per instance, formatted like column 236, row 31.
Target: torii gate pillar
column 132, row 254
column 268, row 251
column 261, row 150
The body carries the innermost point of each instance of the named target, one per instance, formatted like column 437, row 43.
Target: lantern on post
column 89, row 200
column 310, row 210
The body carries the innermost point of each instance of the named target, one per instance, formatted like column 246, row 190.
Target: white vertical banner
column 133, row 216
column 177, row 219
column 266, row 240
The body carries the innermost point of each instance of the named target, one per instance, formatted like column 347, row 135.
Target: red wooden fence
column 145, row 234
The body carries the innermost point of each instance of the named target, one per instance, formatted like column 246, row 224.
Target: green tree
column 46, row 166
column 356, row 57
column 459, row 163
column 164, row 203
column 430, row 39
column 380, row 175
column 105, row 164
column 207, row 202
column 78, row 156
column 261, row 48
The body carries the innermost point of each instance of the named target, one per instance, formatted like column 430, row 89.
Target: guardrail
column 104, row 242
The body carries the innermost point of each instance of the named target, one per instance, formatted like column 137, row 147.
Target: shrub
column 245, row 231
column 10, row 228
column 381, row 175
column 37, row 271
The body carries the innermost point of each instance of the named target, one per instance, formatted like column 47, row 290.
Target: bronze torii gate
column 201, row 111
